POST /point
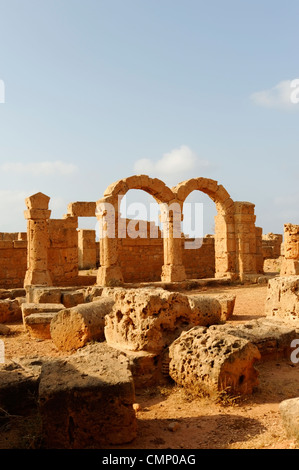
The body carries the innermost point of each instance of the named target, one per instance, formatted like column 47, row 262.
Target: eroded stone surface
column 289, row 410
column 208, row 360
column 10, row 310
column 72, row 328
column 283, row 297
column 87, row 400
column 146, row 319
column 149, row 319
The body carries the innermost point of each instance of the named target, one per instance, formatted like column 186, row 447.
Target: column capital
column 36, row 214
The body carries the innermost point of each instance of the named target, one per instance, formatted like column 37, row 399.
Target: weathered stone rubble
column 205, row 360
column 87, row 400
column 150, row 319
column 223, row 356
column 289, row 411
column 72, row 328
column 84, row 400
column 283, row 298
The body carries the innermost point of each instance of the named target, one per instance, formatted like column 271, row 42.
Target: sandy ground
column 170, row 419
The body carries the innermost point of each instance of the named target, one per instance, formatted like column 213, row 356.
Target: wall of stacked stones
column 141, row 259
column 13, row 259
column 63, row 250
column 272, row 245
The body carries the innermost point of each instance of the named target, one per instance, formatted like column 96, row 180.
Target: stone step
column 38, row 324
column 29, row 308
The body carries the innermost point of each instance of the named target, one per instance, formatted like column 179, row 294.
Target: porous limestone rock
column 211, row 309
column 72, row 328
column 207, row 360
column 10, row 310
column 71, row 299
column 289, row 411
column 272, row 336
column 86, row 401
column 19, row 379
column 148, row 319
column 38, row 324
column 282, row 299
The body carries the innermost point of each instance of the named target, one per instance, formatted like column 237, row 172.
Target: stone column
column 37, row 215
column 290, row 263
column 173, row 269
column 245, row 239
column 109, row 272
column 259, row 250
column 87, row 251
column 225, row 246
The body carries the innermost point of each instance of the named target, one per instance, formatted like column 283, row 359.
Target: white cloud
column 178, row 162
column 284, row 96
column 46, row 168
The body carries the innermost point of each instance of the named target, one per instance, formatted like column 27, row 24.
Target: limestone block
column 38, row 324
column 73, row 327
column 19, row 385
column 37, row 201
column 71, row 299
column 82, row 209
column 145, row 319
column 45, row 295
column 291, row 241
column 211, row 309
column 272, row 336
column 29, row 308
column 282, row 299
column 10, row 310
column 207, row 360
column 289, row 267
column 289, row 411
column 86, row 401
column 149, row 319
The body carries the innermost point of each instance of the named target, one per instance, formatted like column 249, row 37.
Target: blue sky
column 98, row 90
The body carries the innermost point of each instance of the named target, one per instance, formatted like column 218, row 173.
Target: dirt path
column 170, row 419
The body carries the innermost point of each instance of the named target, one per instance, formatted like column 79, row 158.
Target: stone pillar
column 37, row 215
column 109, row 272
column 259, row 250
column 290, row 263
column 225, row 246
column 173, row 269
column 87, row 251
column 245, row 238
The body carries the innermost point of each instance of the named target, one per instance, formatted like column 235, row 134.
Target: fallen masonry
column 222, row 357
column 84, row 400
column 125, row 324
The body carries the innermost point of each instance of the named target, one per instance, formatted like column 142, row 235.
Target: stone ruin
column 125, row 325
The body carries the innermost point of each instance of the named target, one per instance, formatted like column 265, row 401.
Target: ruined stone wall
column 199, row 262
column 271, row 244
column 141, row 259
column 290, row 262
column 13, row 259
column 87, row 249
column 63, row 250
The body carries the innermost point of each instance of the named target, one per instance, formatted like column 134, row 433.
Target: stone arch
column 225, row 238
column 109, row 271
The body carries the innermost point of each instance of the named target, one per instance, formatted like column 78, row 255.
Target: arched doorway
column 108, row 213
column 225, row 240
